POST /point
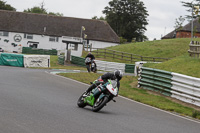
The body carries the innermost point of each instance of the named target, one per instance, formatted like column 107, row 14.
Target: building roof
column 169, row 35
column 56, row 26
column 186, row 28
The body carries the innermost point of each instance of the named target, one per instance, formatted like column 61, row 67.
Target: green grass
column 183, row 64
column 167, row 48
column 128, row 89
column 55, row 65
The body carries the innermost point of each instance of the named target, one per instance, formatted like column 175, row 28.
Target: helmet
column 118, row 74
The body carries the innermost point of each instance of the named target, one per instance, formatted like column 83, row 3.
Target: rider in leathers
column 116, row 75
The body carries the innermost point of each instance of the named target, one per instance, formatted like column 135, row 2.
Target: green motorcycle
column 99, row 96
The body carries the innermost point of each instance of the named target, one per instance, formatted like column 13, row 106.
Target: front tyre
column 99, row 104
column 80, row 101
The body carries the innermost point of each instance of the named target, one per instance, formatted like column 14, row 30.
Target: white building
column 19, row 30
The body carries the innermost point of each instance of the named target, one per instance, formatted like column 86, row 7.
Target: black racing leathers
column 90, row 56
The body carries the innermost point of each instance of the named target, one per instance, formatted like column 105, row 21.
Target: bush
column 122, row 40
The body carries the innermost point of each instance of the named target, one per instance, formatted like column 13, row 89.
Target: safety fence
column 182, row 87
column 105, row 65
column 21, row 60
column 129, row 57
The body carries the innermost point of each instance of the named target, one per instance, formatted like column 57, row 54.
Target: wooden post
column 113, row 54
column 105, row 54
column 131, row 58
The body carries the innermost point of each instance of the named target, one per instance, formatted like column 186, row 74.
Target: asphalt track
column 34, row 101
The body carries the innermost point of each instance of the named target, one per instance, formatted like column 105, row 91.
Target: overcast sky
column 162, row 13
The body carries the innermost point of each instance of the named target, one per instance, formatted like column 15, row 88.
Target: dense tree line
column 4, row 6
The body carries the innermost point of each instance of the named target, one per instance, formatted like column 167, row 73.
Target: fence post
column 113, row 54
column 131, row 58
column 141, row 58
column 105, row 54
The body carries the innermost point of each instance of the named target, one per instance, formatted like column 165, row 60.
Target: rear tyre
column 80, row 101
column 99, row 104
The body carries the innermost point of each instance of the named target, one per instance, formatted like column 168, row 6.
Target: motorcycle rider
column 90, row 55
column 116, row 75
column 88, row 64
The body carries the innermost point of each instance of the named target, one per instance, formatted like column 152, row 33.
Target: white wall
column 44, row 43
column 99, row 44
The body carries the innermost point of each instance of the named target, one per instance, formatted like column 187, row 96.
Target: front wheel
column 99, row 104
column 80, row 101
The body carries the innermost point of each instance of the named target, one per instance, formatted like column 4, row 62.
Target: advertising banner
column 36, row 60
column 9, row 59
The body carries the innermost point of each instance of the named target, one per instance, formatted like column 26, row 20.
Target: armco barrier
column 155, row 80
column 129, row 68
column 105, row 65
column 109, row 66
column 186, row 88
column 182, row 87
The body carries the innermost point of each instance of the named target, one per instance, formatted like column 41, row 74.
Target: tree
column 36, row 9
column 101, row 18
column 189, row 6
column 55, row 14
column 128, row 18
column 4, row 6
column 42, row 10
column 178, row 23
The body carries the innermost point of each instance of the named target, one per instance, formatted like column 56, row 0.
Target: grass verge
column 128, row 89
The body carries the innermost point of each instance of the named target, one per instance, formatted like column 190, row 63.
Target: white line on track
column 190, row 119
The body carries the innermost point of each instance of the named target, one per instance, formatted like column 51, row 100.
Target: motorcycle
column 91, row 65
column 99, row 96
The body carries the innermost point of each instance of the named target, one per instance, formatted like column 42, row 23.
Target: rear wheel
column 99, row 104
column 80, row 102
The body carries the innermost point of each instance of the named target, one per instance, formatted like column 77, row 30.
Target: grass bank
column 183, row 64
column 128, row 89
column 176, row 49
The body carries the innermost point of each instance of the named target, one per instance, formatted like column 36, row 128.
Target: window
column 53, row 39
column 4, row 33
column 28, row 36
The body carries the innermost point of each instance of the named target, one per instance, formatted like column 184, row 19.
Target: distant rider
column 91, row 56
